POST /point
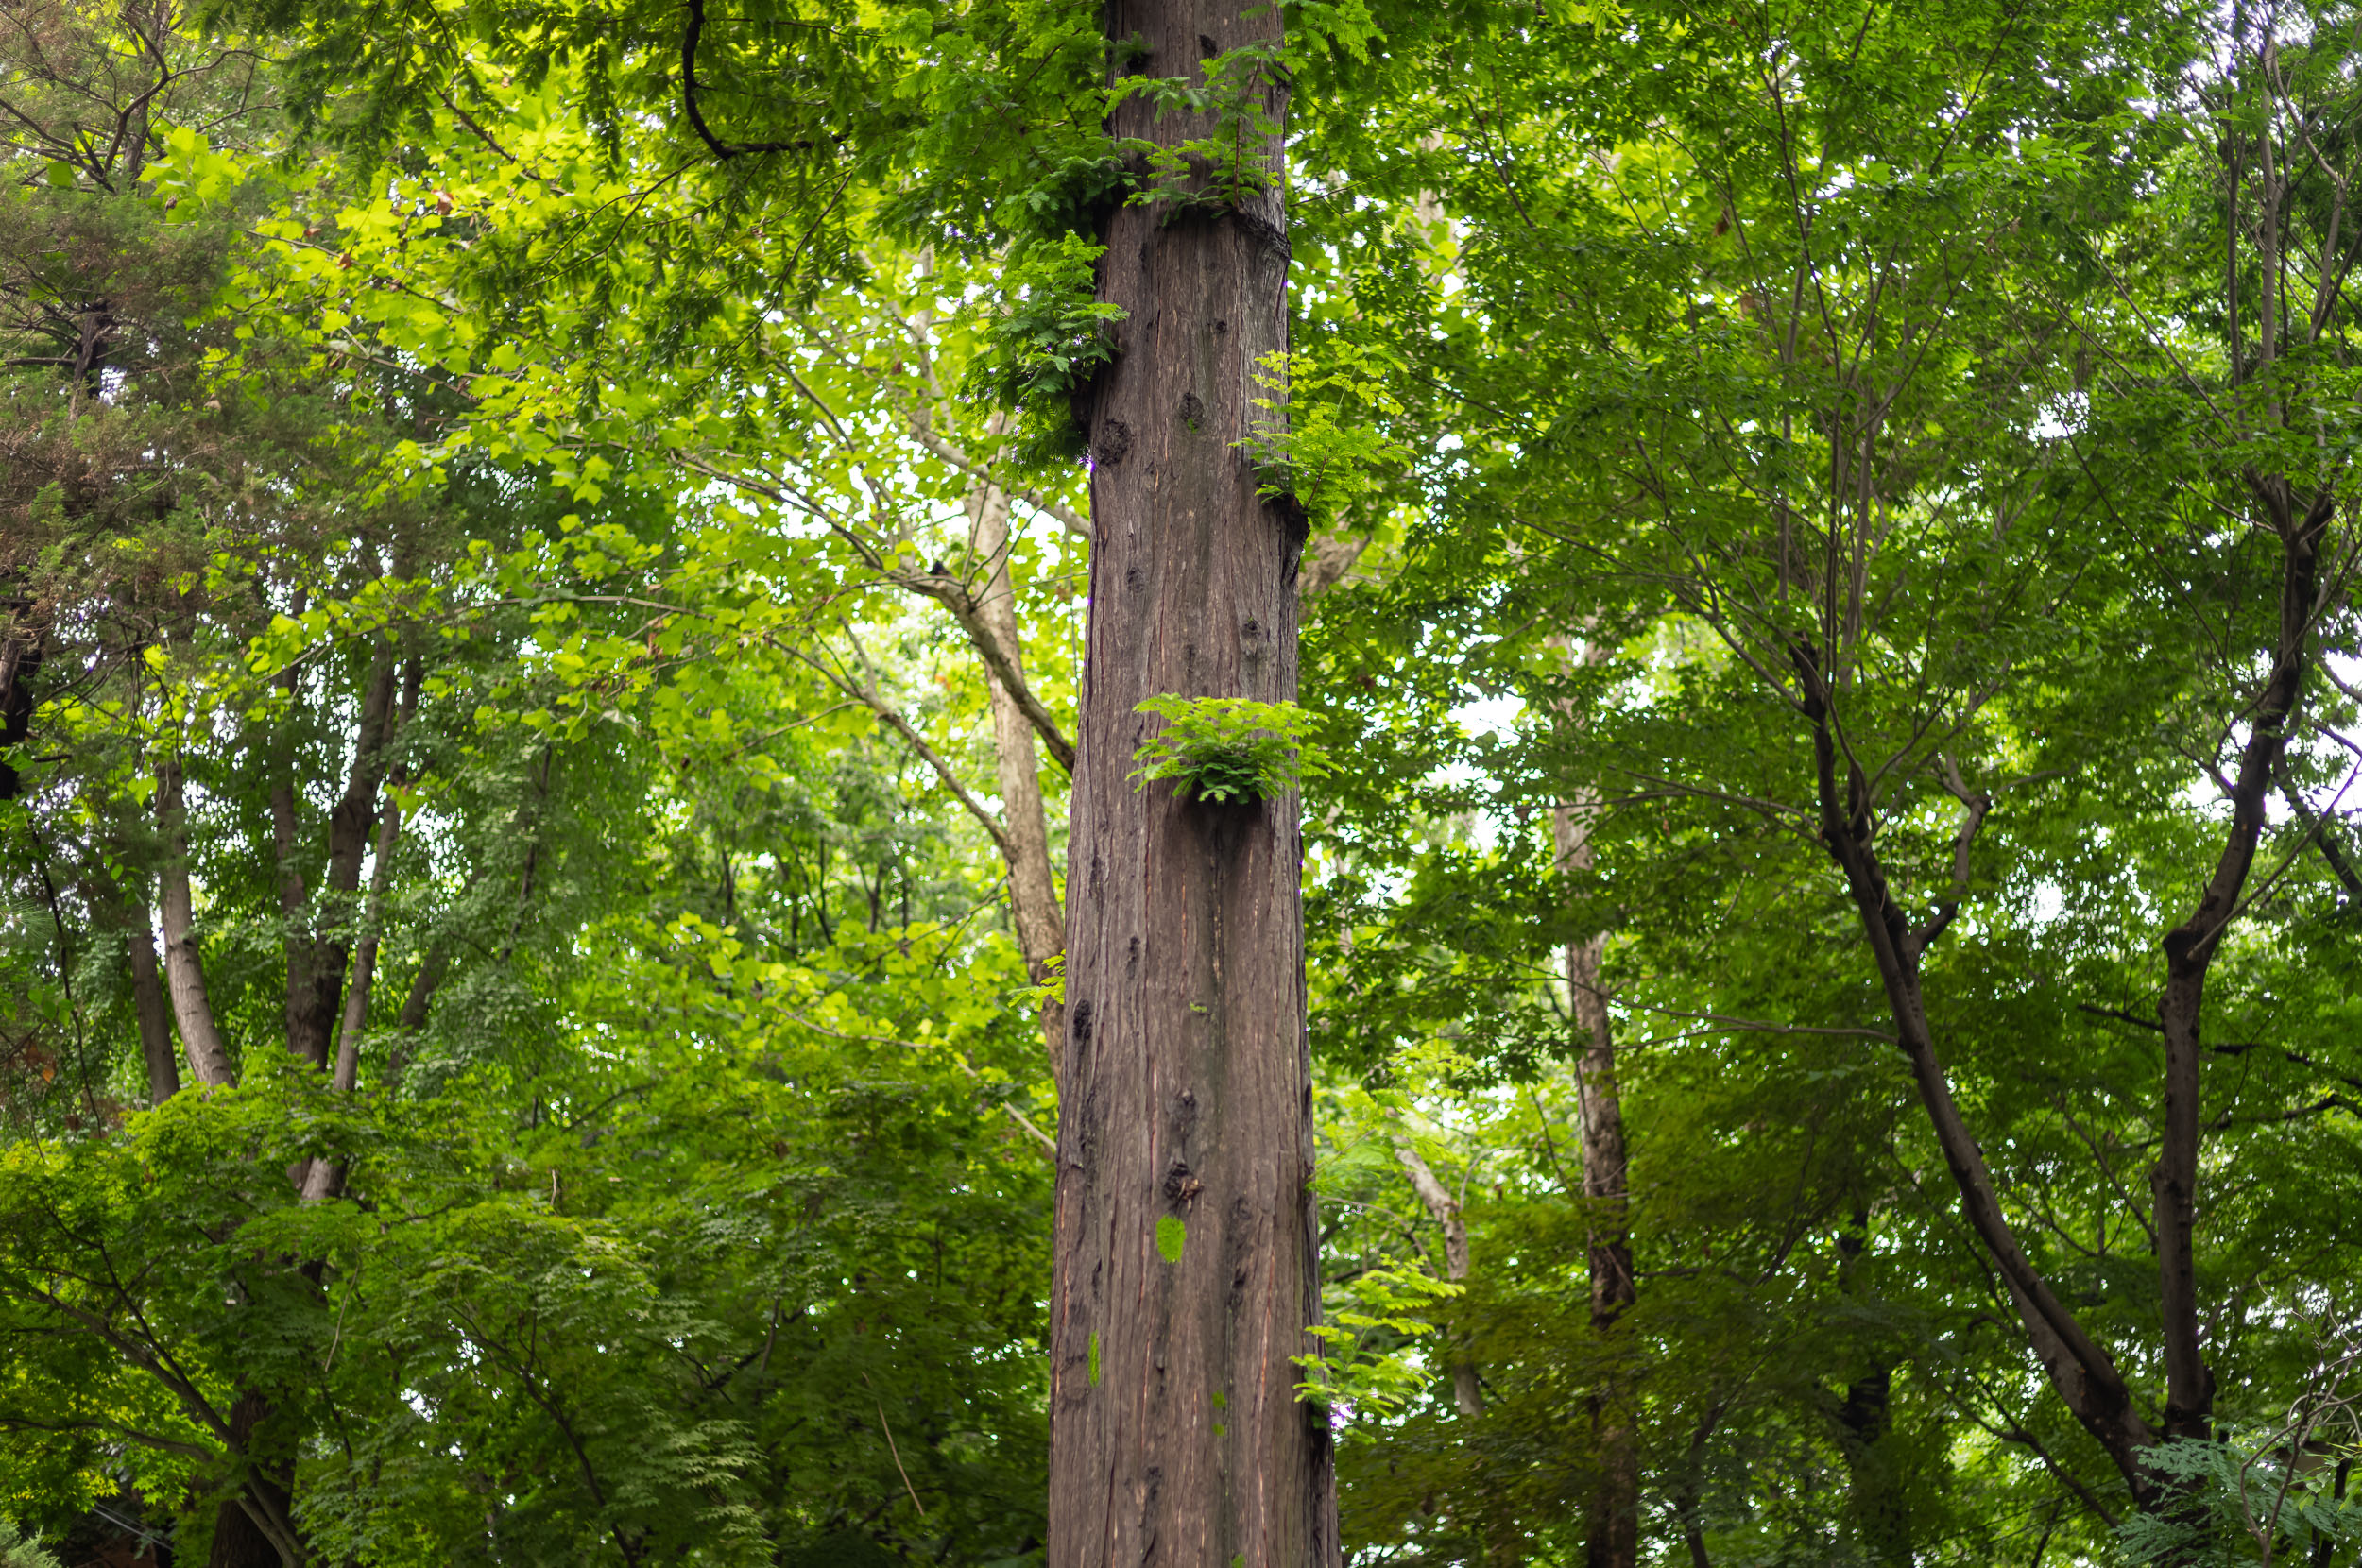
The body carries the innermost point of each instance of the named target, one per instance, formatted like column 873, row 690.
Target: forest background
column 545, row 551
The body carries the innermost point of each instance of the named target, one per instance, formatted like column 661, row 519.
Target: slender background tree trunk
column 1614, row 1525
column 1186, row 1266
column 1614, row 1511
column 184, row 968
column 155, row 1017
column 1032, row 883
column 1467, row 1390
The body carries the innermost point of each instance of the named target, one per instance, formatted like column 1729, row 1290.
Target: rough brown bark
column 1466, row 1391
column 184, row 968
column 1032, row 881
column 1177, row 1436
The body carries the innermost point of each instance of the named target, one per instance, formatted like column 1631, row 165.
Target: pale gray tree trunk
column 1033, row 880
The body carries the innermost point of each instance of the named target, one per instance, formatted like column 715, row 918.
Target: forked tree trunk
column 255, row 1529
column 1185, row 1269
column 316, row 939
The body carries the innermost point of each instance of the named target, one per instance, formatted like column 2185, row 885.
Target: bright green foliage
column 1227, row 749
column 1372, row 1362
column 2253, row 1506
column 1172, row 1235
column 19, row 1550
column 1733, row 310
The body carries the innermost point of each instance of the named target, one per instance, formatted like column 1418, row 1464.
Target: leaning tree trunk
column 1185, row 1269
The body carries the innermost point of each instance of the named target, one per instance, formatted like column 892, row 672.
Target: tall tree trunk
column 1186, row 1271
column 1032, row 882
column 184, row 969
column 147, row 1000
column 1614, row 1523
column 326, row 1178
column 248, row 1526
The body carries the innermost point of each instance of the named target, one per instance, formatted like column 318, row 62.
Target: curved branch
column 1066, row 517
column 948, row 592
column 689, row 97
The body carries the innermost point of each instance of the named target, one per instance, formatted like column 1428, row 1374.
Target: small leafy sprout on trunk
column 1226, row 749
column 1172, row 1235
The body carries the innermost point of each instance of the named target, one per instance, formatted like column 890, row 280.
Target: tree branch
column 1066, row 517
column 689, row 97
column 864, row 695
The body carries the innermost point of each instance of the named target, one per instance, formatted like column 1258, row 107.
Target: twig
column 879, row 1407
